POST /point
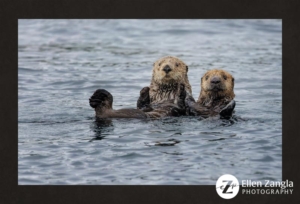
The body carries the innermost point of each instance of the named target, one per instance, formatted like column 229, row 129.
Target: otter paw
column 192, row 111
column 227, row 111
column 99, row 97
column 94, row 102
column 177, row 111
column 181, row 97
column 182, row 92
column 189, row 105
column 189, row 100
column 144, row 99
column 145, row 91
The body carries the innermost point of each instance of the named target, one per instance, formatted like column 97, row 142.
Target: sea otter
column 216, row 95
column 102, row 101
column 164, row 97
column 167, row 73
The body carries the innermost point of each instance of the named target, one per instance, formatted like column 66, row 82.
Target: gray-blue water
column 62, row 62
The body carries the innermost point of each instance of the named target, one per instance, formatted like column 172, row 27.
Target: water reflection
column 101, row 128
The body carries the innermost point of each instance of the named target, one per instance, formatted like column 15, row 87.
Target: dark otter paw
column 180, row 109
column 189, row 105
column 100, row 96
column 181, row 96
column 189, row 100
column 182, row 92
column 144, row 99
column 227, row 111
column 177, row 111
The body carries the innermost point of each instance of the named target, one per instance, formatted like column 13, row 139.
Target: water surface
column 62, row 62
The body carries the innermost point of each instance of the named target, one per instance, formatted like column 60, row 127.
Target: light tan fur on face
column 211, row 92
column 164, row 85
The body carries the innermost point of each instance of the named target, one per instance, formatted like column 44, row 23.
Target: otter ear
column 187, row 68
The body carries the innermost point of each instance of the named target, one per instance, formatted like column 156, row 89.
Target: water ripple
column 62, row 62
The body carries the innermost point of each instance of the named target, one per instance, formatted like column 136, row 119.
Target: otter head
column 216, row 84
column 168, row 73
column 169, row 70
column 101, row 99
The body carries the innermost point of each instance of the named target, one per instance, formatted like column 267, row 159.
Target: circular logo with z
column 227, row 186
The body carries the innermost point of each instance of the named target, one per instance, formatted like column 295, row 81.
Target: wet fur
column 213, row 99
column 209, row 97
column 102, row 101
column 164, row 86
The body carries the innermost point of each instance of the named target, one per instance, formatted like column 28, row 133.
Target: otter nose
column 167, row 69
column 215, row 80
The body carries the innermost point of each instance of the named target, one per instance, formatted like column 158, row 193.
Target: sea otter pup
column 216, row 95
column 167, row 73
column 102, row 101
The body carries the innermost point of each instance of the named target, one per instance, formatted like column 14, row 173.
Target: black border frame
column 12, row 10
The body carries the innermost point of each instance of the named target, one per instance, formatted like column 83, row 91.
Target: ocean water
column 62, row 62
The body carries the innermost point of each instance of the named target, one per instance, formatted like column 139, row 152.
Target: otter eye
column 159, row 64
column 225, row 77
column 177, row 64
column 206, row 77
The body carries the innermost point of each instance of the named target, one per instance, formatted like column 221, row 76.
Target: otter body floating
column 102, row 101
column 170, row 94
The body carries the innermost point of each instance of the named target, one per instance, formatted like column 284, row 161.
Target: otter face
column 101, row 99
column 169, row 69
column 217, row 81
